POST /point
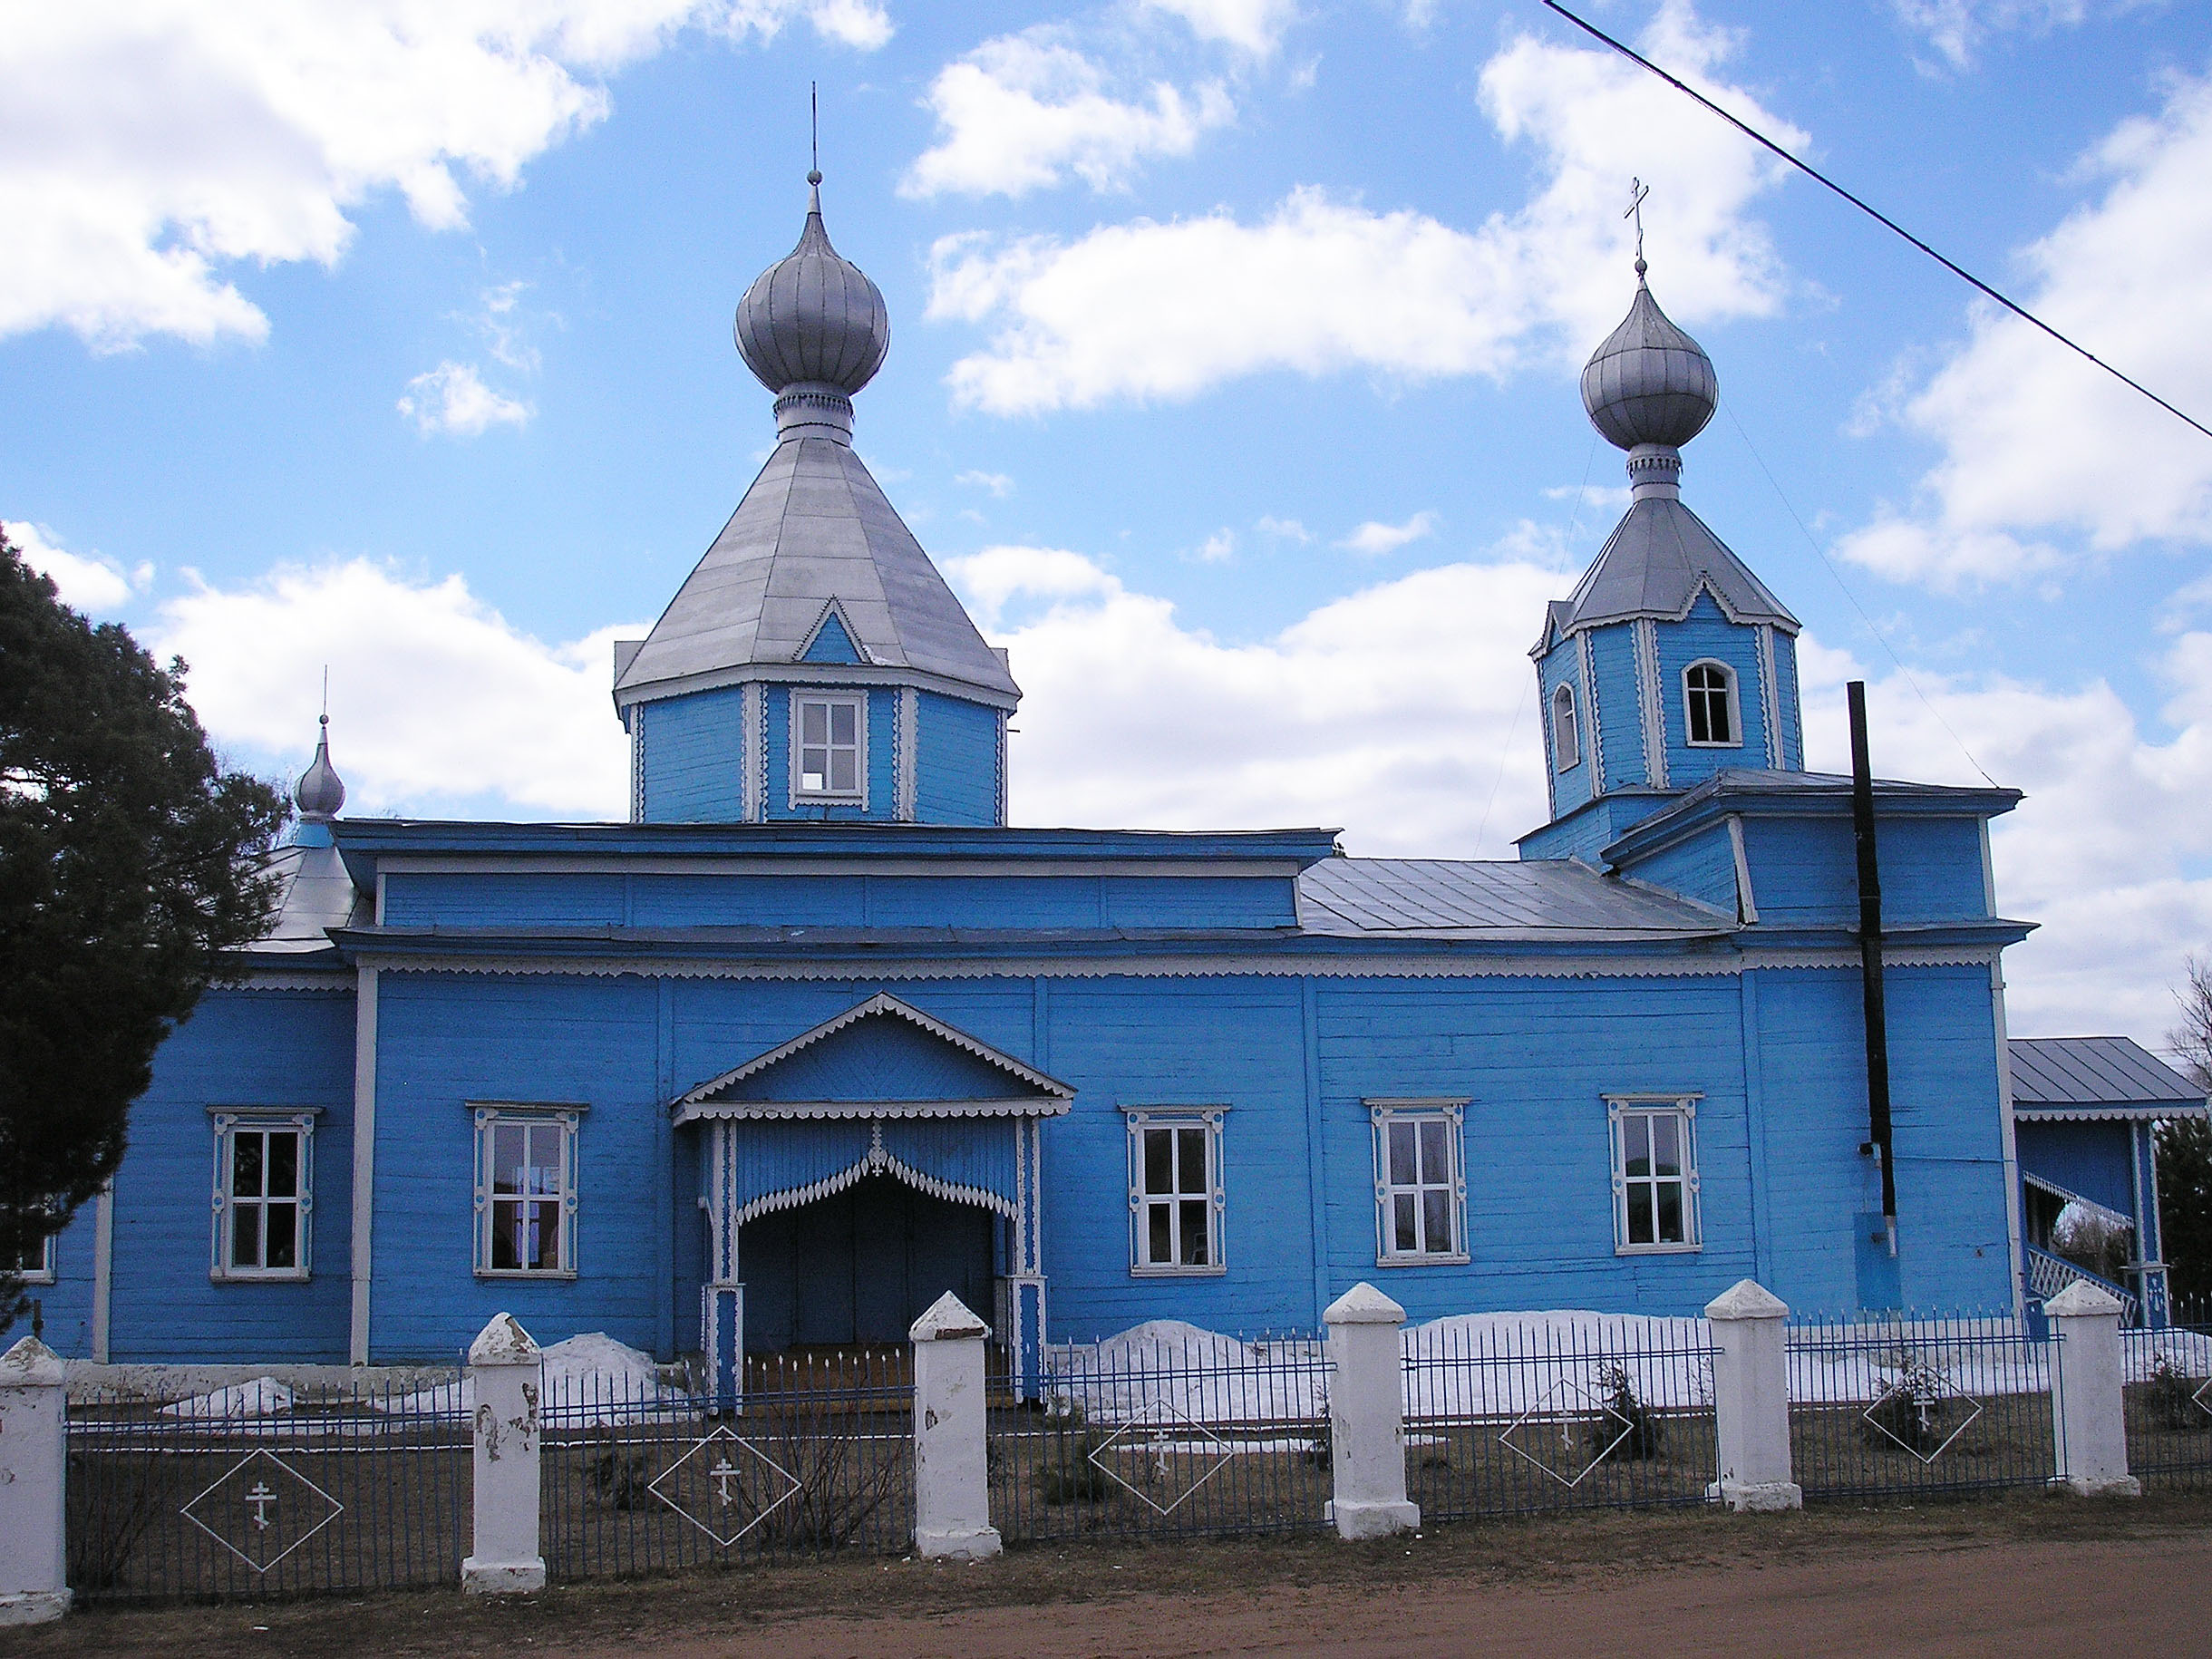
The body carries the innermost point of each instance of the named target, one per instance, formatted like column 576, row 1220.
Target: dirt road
column 2021, row 1576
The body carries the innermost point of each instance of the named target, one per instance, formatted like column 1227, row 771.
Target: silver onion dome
column 813, row 321
column 320, row 792
column 1649, row 382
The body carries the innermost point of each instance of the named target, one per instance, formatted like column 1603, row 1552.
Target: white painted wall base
column 2110, row 1486
column 502, row 1578
column 34, row 1607
column 1369, row 1520
column 942, row 1543
column 1762, row 1497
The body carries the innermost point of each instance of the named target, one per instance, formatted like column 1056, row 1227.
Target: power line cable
column 1874, row 213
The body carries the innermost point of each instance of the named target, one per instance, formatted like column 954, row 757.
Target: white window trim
column 856, row 701
column 43, row 1273
column 1693, row 1223
column 225, row 1121
column 487, row 1115
column 1563, row 760
column 1382, row 1114
column 1735, row 706
column 1138, row 1119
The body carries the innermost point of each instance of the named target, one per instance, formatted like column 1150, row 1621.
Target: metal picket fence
column 1918, row 1405
column 2167, row 1389
column 1166, row 1433
column 259, row 1490
column 1508, row 1418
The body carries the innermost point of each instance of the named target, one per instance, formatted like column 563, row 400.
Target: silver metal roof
column 2097, row 1077
column 315, row 894
column 1649, row 382
column 1501, row 899
column 1655, row 564
column 814, row 527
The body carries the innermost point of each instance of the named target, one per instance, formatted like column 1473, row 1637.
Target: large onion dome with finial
column 813, row 318
column 1649, row 382
column 320, row 792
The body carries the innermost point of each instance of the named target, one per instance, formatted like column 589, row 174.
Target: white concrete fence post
column 1367, row 1416
column 952, row 1478
column 1751, row 1399
column 34, row 1494
column 507, row 1369
column 2087, row 1407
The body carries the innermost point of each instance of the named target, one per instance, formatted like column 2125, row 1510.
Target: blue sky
column 1232, row 382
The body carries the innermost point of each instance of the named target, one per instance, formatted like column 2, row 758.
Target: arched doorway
column 858, row 1267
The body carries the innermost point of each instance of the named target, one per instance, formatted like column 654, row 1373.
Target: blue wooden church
column 817, row 1035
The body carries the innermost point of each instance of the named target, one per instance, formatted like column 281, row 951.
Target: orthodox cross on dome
column 1637, row 191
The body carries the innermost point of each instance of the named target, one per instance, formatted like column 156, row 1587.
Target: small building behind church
column 816, row 1034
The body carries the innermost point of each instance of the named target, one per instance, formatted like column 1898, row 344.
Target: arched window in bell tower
column 1709, row 695
column 1565, row 736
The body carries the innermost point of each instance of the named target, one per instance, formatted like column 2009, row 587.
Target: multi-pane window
column 1654, row 1173
column 1709, row 691
column 1175, row 1195
column 263, row 1195
column 526, row 1191
column 829, row 746
column 1566, row 740
column 1421, row 1189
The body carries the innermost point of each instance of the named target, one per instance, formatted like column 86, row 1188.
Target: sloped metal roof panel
column 1359, row 898
column 2089, row 1073
column 1653, row 564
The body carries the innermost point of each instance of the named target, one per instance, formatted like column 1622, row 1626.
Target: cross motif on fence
column 260, row 1500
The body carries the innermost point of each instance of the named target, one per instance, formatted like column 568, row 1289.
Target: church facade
column 817, row 1035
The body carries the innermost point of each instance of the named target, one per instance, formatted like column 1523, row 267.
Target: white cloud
column 1322, row 284
column 998, row 483
column 87, row 581
column 2046, row 460
column 452, row 399
column 1255, row 26
column 151, row 147
column 1220, row 547
column 1283, row 530
column 1959, row 28
column 1375, row 538
column 435, row 699
column 1022, row 111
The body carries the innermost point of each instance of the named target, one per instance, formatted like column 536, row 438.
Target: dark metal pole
column 1870, row 958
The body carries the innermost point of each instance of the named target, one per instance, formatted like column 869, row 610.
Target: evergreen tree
column 128, row 866
column 2185, row 1150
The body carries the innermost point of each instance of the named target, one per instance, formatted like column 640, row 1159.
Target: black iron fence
column 1167, row 1432
column 1506, row 1416
column 2168, row 1379
column 1916, row 1405
column 260, row 1489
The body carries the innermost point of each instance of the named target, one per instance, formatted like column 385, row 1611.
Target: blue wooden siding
column 956, row 772
column 695, row 757
column 1786, row 690
column 275, row 1049
column 1806, row 869
column 1704, row 634
column 1612, row 658
column 1702, row 868
column 2093, row 1158
column 831, row 644
column 881, row 1058
column 1562, row 665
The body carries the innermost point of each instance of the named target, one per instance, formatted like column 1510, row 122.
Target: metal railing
column 258, row 1489
column 1919, row 1405
column 2166, row 1376
column 2048, row 1274
column 1585, row 1411
column 1167, row 1432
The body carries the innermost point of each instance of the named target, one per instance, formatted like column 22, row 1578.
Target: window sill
column 1459, row 1260
column 46, row 1280
column 549, row 1274
column 829, row 800
column 1658, row 1249
column 1706, row 742
column 1214, row 1272
column 238, row 1276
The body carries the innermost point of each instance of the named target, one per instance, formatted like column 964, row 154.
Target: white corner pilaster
column 103, row 1271
column 1751, row 1399
column 905, row 739
column 364, row 1156
column 2086, row 1400
column 1367, row 1416
column 752, row 764
column 33, row 1497
column 508, row 1371
column 952, row 1481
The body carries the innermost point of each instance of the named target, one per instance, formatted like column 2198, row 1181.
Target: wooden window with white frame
column 1654, row 1173
column 264, row 1194
column 1565, row 733
column 829, row 746
column 1175, row 1199
column 1710, row 707
column 526, row 1198
column 1420, row 1181
column 34, row 1266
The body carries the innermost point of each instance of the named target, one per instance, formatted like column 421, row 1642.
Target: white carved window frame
column 1681, row 1111
column 558, row 1194
column 1731, row 705
column 1174, row 1122
column 1406, row 1120
column 829, row 701
column 228, row 1123
column 1565, row 728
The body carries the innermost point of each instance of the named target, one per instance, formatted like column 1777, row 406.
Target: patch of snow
column 262, row 1397
column 589, row 1382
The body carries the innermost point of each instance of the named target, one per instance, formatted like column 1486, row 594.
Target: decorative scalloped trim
column 833, row 608
column 877, row 1161
column 888, row 1111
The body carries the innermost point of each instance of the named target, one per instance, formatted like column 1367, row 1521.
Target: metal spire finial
column 814, row 131
column 1637, row 191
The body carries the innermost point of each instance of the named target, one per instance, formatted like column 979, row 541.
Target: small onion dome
column 1649, row 382
column 320, row 792
column 813, row 318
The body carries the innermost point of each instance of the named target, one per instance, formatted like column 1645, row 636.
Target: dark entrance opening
column 859, row 1266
